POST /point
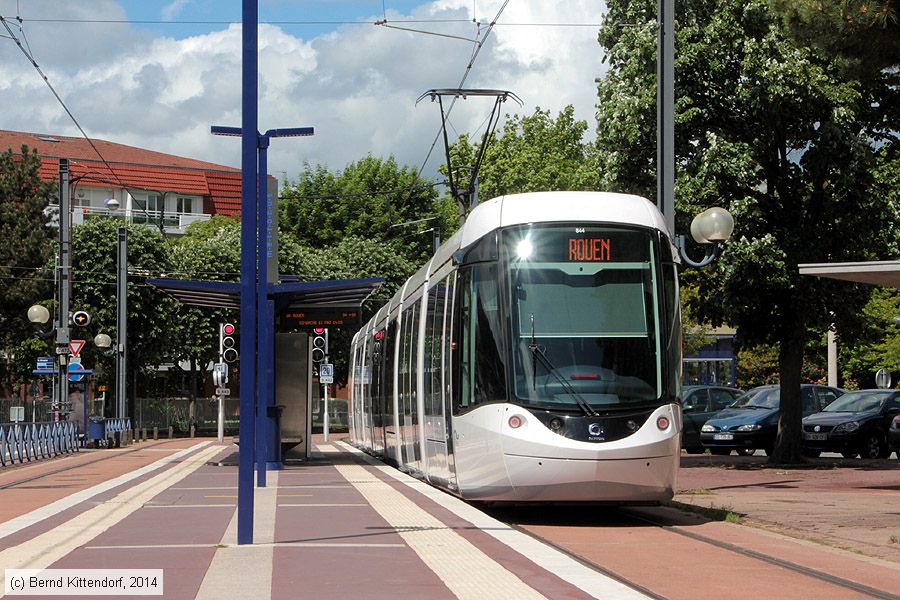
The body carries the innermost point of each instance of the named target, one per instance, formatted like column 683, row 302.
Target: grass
column 895, row 539
column 696, row 492
column 714, row 513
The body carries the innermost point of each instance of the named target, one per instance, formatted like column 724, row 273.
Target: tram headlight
column 524, row 249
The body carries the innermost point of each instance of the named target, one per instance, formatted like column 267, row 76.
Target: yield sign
column 75, row 346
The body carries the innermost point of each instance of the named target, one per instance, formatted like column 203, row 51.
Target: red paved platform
column 337, row 526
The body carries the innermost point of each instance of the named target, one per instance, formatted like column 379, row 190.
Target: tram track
column 18, row 482
column 640, row 518
column 773, row 560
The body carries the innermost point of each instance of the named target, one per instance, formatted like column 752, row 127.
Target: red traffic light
column 228, row 329
column 319, row 330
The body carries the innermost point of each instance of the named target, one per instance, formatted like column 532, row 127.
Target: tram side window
column 482, row 372
column 673, row 324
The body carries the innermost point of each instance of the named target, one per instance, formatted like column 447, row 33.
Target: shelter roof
column 876, row 272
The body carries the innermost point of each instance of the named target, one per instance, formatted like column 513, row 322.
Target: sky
column 158, row 74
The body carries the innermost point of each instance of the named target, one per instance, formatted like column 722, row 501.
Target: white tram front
column 535, row 358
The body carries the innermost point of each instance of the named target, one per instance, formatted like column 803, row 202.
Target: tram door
column 378, row 397
column 438, row 443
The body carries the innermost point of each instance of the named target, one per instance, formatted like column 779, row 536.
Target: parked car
column 752, row 421
column 699, row 403
column 856, row 423
column 894, row 436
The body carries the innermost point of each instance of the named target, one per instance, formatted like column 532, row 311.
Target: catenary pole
column 665, row 112
column 249, row 77
column 65, row 284
column 122, row 322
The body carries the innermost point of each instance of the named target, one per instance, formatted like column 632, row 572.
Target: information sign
column 46, row 363
column 16, row 413
column 331, row 317
column 326, row 373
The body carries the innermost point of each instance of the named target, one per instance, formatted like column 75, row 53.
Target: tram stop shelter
column 885, row 273
column 296, row 307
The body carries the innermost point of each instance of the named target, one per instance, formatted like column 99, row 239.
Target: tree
column 351, row 258
column 532, row 153
column 779, row 134
column 25, row 251
column 368, row 199
column 152, row 326
column 209, row 251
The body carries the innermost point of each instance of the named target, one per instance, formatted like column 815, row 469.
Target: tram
column 535, row 358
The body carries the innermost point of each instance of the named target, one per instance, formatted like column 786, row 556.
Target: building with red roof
column 144, row 186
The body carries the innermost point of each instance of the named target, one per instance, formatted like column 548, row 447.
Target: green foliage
column 865, row 34
column 781, row 135
column 351, row 258
column 209, row 254
column 25, row 251
column 757, row 366
column 205, row 230
column 367, row 199
column 152, row 334
column 879, row 345
column 532, row 153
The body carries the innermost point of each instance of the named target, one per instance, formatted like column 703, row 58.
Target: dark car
column 752, row 421
column 856, row 423
column 894, row 435
column 699, row 403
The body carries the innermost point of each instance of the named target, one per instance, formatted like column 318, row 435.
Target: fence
column 41, row 409
column 21, row 442
column 175, row 413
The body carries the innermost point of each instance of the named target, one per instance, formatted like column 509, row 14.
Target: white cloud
column 173, row 10
column 357, row 85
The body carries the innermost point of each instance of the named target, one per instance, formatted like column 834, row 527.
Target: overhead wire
column 30, row 56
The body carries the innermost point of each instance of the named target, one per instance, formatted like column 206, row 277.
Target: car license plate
column 723, row 436
column 817, row 437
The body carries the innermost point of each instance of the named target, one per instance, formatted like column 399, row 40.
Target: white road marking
column 39, row 514
column 590, row 581
column 45, row 549
column 466, row 571
column 246, row 571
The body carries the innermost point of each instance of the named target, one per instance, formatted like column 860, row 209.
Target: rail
column 21, row 442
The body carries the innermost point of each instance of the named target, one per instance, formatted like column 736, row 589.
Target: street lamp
column 39, row 315
column 104, row 343
column 711, row 228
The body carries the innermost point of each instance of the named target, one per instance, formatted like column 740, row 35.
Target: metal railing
column 171, row 221
column 26, row 442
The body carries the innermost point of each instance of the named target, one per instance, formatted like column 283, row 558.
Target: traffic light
column 320, row 344
column 227, row 343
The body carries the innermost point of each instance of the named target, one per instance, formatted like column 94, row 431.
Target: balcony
column 172, row 223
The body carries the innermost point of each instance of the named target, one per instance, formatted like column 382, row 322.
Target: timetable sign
column 328, row 317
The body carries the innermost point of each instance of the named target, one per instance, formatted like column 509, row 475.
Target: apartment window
column 184, row 205
column 150, row 204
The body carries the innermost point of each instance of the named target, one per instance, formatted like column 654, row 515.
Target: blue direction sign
column 45, row 363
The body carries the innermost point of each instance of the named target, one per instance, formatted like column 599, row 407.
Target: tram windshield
column 584, row 332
